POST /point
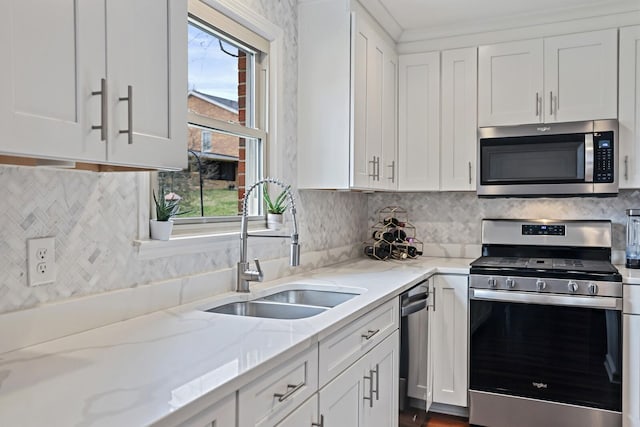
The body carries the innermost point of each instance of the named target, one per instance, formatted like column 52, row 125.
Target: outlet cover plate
column 41, row 261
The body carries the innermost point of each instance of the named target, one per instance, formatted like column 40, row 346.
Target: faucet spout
column 244, row 273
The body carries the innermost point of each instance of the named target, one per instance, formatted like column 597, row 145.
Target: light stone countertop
column 164, row 367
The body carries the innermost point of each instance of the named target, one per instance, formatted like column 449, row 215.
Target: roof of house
column 227, row 104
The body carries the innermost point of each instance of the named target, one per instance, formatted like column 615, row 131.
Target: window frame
column 238, row 25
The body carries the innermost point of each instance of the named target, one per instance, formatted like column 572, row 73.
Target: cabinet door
column 449, row 348
column 510, row 85
column 631, row 369
column 420, row 376
column 305, row 416
column 53, row 55
column 629, row 114
column 389, row 122
column 382, row 374
column 341, row 401
column 419, row 122
column 459, row 123
column 147, row 51
column 367, row 65
column 581, row 76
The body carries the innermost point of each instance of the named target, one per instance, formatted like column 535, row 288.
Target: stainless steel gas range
column 545, row 326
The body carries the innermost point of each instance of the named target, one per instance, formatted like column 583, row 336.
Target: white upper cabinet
column 437, row 121
column 459, row 125
column 419, row 122
column 53, row 59
column 146, row 53
column 629, row 119
column 581, row 76
column 54, row 105
column 510, row 83
column 556, row 79
column 346, row 98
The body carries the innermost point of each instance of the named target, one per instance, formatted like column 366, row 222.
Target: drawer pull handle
column 320, row 424
column 290, row 390
column 370, row 334
column 370, row 398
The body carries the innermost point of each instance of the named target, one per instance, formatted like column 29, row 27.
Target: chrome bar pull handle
column 378, row 169
column 376, row 391
column 373, row 166
column 551, row 103
column 129, row 99
column 626, row 168
column 537, row 104
column 370, row 398
column 469, row 172
column 393, row 171
column 290, row 390
column 370, row 334
column 103, row 109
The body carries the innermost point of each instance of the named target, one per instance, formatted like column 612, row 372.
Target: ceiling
column 408, row 20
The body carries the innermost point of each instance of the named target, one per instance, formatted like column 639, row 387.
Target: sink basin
column 309, row 297
column 269, row 310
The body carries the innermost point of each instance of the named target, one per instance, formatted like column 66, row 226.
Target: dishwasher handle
column 414, row 307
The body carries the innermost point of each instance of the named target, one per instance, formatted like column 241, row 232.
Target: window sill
column 184, row 244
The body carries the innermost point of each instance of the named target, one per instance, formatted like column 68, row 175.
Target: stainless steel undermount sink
column 289, row 304
column 309, row 297
column 269, row 310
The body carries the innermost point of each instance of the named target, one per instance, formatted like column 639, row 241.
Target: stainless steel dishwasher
column 414, row 338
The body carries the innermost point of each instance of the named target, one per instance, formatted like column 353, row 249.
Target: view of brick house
column 218, row 152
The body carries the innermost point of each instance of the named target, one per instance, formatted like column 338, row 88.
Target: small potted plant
column 275, row 208
column 166, row 208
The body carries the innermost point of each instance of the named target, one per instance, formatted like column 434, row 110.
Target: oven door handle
column 604, row 303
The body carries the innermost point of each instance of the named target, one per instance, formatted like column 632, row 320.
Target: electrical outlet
column 41, row 261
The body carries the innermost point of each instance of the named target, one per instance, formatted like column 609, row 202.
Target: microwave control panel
column 603, row 157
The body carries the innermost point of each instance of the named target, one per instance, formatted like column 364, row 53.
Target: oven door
column 561, row 349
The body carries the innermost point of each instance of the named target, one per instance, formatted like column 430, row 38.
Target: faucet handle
column 259, row 270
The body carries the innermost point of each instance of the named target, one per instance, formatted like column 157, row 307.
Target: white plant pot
column 160, row 230
column 275, row 221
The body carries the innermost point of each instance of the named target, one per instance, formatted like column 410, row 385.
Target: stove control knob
column 540, row 285
column 593, row 288
column 573, row 287
column 492, row 282
column 510, row 283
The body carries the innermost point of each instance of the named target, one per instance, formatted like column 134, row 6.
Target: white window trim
column 209, row 236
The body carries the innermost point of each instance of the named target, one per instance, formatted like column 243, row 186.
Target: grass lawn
column 216, row 203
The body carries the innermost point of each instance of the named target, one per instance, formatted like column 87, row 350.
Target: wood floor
column 418, row 418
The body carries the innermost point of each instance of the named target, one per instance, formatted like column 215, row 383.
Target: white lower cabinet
column 269, row 399
column 449, row 344
column 305, row 416
column 366, row 394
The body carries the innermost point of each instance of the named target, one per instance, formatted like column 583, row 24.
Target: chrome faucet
column 244, row 272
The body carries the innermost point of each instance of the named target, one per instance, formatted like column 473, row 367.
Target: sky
column 212, row 71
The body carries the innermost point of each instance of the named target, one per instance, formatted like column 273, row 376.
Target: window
column 206, row 141
column 227, row 138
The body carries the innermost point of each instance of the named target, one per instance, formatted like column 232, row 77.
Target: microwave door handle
column 588, row 157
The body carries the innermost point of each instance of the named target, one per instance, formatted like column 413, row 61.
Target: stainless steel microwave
column 561, row 159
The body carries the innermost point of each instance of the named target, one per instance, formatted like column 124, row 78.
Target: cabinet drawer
column 346, row 346
column 270, row 398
